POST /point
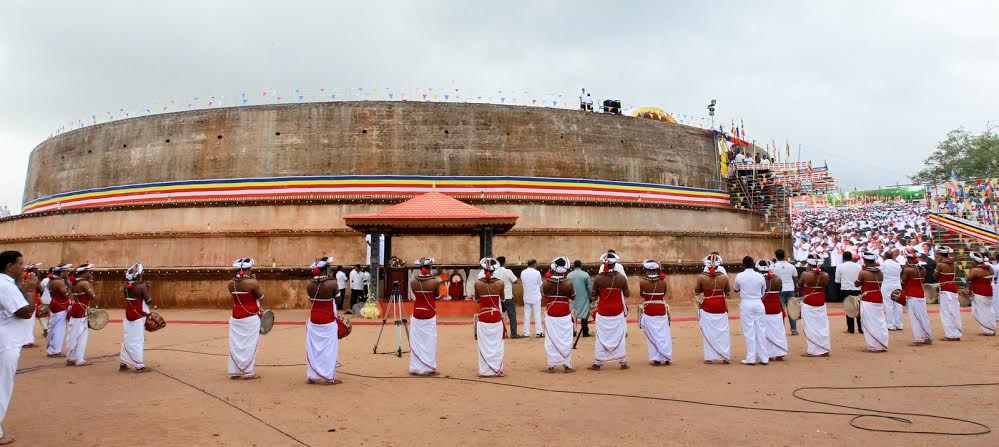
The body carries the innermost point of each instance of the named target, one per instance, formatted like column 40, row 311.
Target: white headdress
column 813, row 259
column 32, row 267
column 134, row 272
column 979, row 257
column 764, row 265
column 243, row 263
column 712, row 260
column 943, row 249
column 489, row 264
column 425, row 261
column 560, row 265
column 869, row 256
column 651, row 264
column 321, row 263
column 84, row 268
column 712, row 264
column 609, row 258
column 64, row 267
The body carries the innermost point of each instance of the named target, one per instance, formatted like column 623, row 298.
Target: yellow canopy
column 652, row 113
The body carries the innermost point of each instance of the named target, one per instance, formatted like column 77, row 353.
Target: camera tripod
column 394, row 308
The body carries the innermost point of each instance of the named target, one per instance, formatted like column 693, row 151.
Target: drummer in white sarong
column 558, row 291
column 489, row 328
column 712, row 311
column 136, row 311
column 423, row 325
column 611, row 288
column 244, row 323
column 654, row 317
column 812, row 283
column 322, row 342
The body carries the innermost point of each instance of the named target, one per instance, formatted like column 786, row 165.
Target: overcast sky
column 869, row 86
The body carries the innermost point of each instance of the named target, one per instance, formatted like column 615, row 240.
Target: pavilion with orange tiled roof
column 431, row 213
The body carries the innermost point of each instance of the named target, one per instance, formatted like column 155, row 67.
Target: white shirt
column 750, row 284
column 356, row 280
column 837, row 257
column 786, row 272
column 531, row 280
column 367, row 277
column 847, row 274
column 341, row 280
column 508, row 278
column 892, row 273
column 14, row 332
column 46, row 295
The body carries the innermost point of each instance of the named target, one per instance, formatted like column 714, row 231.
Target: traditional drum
column 154, row 322
column 96, row 318
column 266, row 322
column 851, row 306
column 794, row 308
column 343, row 327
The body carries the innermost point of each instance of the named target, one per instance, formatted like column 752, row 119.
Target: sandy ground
column 54, row 405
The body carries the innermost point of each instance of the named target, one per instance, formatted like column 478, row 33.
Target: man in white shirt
column 530, row 279
column 788, row 277
column 341, row 284
column 366, row 276
column 846, row 277
column 356, row 279
column 509, row 306
column 751, row 286
column 16, row 329
column 892, row 271
column 617, row 265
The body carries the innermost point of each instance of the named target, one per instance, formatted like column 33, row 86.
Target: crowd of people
column 971, row 200
column 556, row 299
column 871, row 227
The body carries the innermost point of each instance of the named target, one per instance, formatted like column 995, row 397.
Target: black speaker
column 612, row 106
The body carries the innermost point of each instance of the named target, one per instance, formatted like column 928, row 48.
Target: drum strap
column 433, row 306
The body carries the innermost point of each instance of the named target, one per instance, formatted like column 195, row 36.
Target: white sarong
column 754, row 330
column 995, row 298
column 872, row 317
column 133, row 343
column 490, row 348
column 558, row 340
column 950, row 314
column 244, row 338
column 715, row 332
column 776, row 337
column 816, row 322
column 57, row 332
column 423, row 345
column 76, row 341
column 893, row 310
column 610, row 344
column 658, row 337
column 322, row 348
column 981, row 309
column 8, row 368
column 919, row 318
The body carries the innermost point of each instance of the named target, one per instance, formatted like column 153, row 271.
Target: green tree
column 966, row 155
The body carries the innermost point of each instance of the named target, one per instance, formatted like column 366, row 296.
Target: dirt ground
column 54, row 405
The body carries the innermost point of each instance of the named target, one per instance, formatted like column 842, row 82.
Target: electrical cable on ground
column 854, row 421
